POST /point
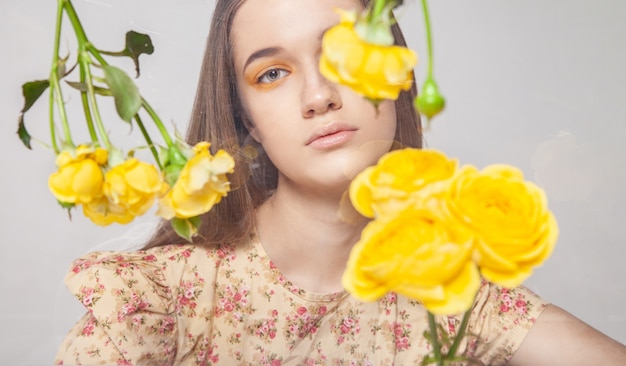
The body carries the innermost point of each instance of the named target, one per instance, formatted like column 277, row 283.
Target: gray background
column 537, row 84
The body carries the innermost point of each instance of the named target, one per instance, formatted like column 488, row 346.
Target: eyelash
column 282, row 73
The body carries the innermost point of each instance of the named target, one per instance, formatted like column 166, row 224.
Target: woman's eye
column 272, row 75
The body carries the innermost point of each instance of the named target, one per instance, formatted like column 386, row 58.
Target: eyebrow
column 264, row 52
column 271, row 51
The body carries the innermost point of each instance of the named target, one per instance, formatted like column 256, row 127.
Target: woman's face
column 318, row 134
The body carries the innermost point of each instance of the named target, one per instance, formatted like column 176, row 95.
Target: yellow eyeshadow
column 253, row 73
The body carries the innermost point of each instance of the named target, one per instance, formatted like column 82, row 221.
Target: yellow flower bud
column 375, row 71
column 79, row 178
column 133, row 185
column 201, row 184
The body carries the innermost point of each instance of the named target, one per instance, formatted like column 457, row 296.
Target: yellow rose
column 374, row 71
column 103, row 212
column 400, row 177
column 133, row 185
column 514, row 229
column 201, row 184
column 418, row 255
column 79, row 178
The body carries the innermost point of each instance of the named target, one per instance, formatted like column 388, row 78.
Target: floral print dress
column 229, row 305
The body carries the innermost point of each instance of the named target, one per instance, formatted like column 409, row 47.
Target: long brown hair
column 217, row 117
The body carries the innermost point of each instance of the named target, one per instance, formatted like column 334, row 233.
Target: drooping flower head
column 201, row 184
column 79, row 177
column 374, row 67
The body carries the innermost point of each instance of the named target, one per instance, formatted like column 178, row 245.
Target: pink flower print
column 126, row 309
column 301, row 310
column 397, row 330
column 322, row 310
column 88, row 300
column 166, row 325
column 124, row 363
column 184, row 301
column 189, row 293
column 276, row 362
column 89, row 327
column 149, row 258
column 402, row 343
column 451, row 325
column 401, row 334
column 186, row 253
column 229, row 306
column 81, row 265
column 136, row 320
column 504, row 308
column 274, row 313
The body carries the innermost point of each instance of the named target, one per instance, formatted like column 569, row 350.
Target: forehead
column 269, row 23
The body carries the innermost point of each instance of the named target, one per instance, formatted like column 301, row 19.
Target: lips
column 331, row 134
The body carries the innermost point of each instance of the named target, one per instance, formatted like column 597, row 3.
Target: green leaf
column 125, row 92
column 136, row 44
column 22, row 133
column 186, row 228
column 31, row 91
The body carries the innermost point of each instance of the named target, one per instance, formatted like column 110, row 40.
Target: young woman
column 262, row 285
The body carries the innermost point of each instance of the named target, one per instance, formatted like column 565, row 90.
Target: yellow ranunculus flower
column 400, row 177
column 374, row 71
column 103, row 212
column 79, row 178
column 418, row 255
column 201, row 184
column 515, row 231
column 133, row 185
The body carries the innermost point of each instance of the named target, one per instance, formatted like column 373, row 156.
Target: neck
column 309, row 237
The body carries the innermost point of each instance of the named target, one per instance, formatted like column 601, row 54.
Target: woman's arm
column 559, row 338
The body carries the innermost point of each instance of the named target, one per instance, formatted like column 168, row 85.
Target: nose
column 319, row 95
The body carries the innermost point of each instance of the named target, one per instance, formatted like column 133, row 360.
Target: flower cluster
column 112, row 188
column 438, row 228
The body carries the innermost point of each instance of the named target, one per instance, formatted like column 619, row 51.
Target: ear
column 254, row 133
column 250, row 127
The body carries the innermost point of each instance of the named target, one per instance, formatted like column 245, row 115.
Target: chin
column 365, row 156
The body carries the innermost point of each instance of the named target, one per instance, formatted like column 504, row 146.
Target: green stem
column 78, row 27
column 146, row 136
column 85, row 100
column 157, row 121
column 379, row 6
column 428, row 38
column 56, row 96
column 435, row 339
column 460, row 333
column 89, row 97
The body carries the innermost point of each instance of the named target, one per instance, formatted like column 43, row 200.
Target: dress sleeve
column 500, row 320
column 130, row 317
